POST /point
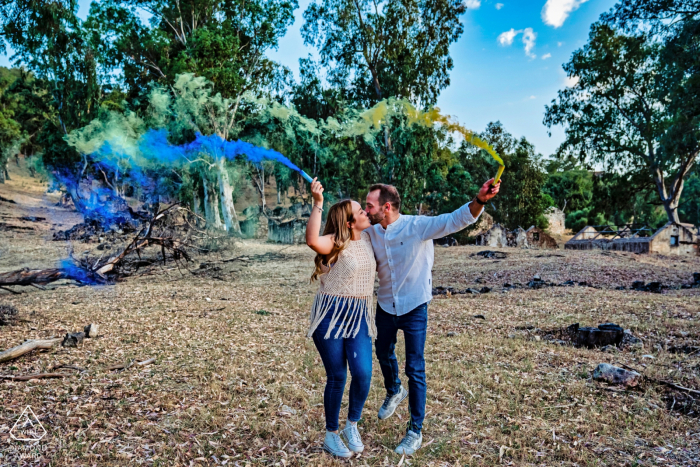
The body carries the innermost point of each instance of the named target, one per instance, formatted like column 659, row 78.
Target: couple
column 356, row 243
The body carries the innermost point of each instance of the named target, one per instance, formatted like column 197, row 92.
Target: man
column 403, row 247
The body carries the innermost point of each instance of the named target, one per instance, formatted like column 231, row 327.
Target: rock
column 443, row 290
column 72, row 340
column 537, row 278
column 288, row 409
column 655, row 287
column 451, row 334
column 472, row 291
column 614, row 375
column 479, row 317
column 631, row 341
column 605, row 334
column 609, row 349
column 91, row 330
column 648, row 356
column 485, row 290
column 538, row 338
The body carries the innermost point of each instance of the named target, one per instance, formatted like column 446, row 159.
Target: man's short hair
column 387, row 194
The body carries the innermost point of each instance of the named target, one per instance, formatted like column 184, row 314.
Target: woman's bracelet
column 319, row 207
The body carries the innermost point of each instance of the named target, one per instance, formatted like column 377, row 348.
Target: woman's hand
column 321, row 245
column 317, row 192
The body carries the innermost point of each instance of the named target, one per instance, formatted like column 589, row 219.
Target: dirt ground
column 235, row 381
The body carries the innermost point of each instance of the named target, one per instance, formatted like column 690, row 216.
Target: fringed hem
column 350, row 309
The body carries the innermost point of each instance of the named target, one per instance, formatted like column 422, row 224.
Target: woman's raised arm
column 322, row 245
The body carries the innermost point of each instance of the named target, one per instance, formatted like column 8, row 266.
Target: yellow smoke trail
column 378, row 113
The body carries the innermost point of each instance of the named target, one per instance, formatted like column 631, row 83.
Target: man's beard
column 375, row 219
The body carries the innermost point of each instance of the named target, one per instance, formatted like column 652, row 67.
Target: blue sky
column 507, row 62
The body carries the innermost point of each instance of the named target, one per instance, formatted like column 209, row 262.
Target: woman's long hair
column 336, row 224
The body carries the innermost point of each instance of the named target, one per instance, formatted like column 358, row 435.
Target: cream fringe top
column 352, row 279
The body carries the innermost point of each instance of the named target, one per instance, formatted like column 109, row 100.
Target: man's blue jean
column 337, row 355
column 414, row 325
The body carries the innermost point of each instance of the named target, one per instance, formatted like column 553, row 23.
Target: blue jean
column 337, row 355
column 414, row 325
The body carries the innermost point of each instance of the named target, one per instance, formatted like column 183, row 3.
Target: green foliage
column 375, row 50
column 224, row 42
column 636, row 106
column 689, row 207
column 521, row 201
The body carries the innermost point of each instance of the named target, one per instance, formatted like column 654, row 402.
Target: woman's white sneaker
column 334, row 445
column 352, row 436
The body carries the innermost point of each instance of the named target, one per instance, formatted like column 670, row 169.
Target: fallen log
column 102, row 272
column 35, row 376
column 16, row 352
column 31, row 276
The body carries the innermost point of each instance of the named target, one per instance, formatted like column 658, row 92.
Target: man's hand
column 488, row 191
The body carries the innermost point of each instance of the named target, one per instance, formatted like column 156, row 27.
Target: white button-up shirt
column 405, row 257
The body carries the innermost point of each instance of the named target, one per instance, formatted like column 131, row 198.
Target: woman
column 342, row 317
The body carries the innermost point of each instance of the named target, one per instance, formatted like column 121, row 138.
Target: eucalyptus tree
column 621, row 111
column 48, row 38
column 380, row 49
column 224, row 41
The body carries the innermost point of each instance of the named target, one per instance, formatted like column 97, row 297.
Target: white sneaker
column 334, row 445
column 390, row 403
column 351, row 435
column 410, row 443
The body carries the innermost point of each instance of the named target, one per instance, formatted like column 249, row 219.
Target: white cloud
column 570, row 82
column 499, row 6
column 533, row 97
column 506, row 38
column 473, row 4
column 546, row 56
column 559, row 44
column 529, row 37
column 555, row 12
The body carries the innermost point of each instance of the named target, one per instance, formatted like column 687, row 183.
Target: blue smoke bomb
column 306, row 176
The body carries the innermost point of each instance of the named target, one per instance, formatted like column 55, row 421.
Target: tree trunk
column 2, row 176
column 211, row 206
column 278, row 196
column 229, row 210
column 195, row 209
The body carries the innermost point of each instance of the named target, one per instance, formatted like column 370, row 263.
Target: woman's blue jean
column 337, row 355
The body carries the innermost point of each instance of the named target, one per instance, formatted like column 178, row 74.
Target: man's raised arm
column 445, row 224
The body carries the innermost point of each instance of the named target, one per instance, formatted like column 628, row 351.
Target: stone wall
column 495, row 237
column 671, row 239
column 556, row 218
column 289, row 232
column 675, row 239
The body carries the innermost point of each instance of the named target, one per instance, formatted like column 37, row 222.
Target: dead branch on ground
column 16, row 352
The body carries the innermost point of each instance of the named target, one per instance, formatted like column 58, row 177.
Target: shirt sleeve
column 430, row 227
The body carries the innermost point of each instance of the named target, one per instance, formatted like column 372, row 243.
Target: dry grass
column 230, row 352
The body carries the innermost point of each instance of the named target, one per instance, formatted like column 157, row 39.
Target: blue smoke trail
column 155, row 144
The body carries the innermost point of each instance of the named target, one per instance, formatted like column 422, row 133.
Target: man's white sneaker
column 351, row 436
column 334, row 445
column 390, row 403
column 410, row 443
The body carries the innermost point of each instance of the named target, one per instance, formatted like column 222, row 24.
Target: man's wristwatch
column 483, row 203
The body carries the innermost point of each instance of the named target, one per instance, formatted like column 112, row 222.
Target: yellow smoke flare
column 378, row 113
